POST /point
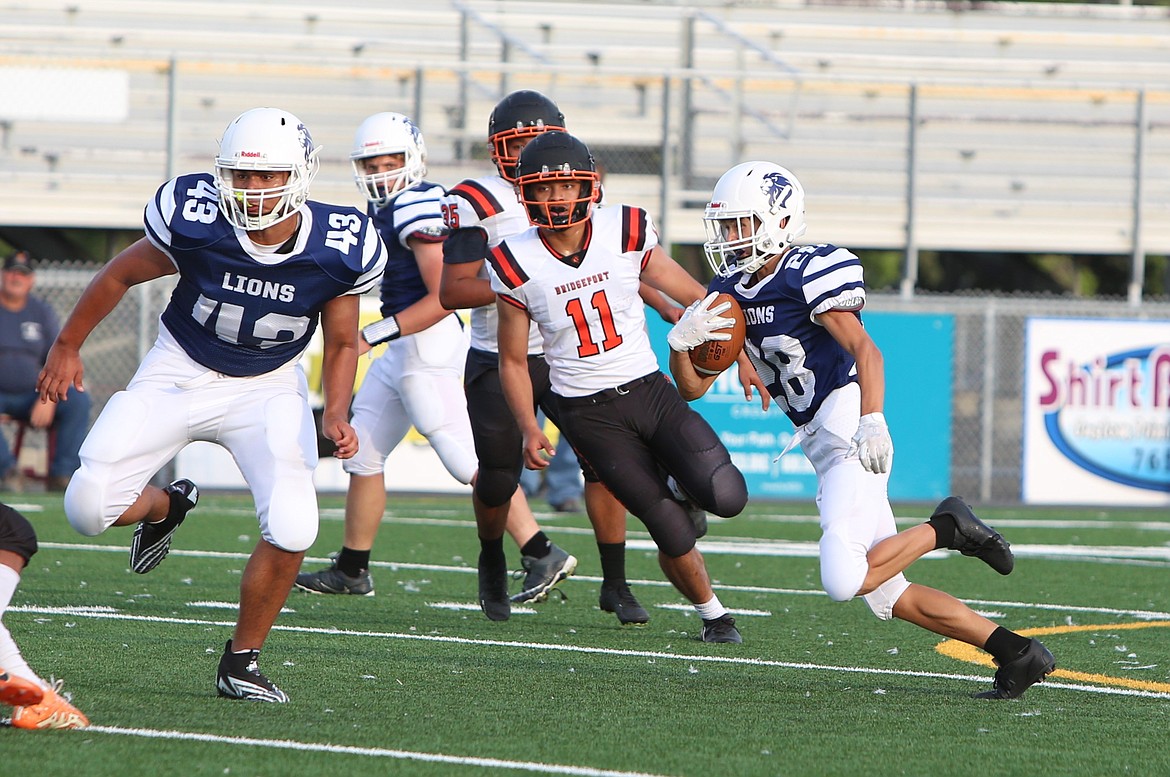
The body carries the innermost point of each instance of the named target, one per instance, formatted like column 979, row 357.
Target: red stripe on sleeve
column 482, row 201
column 506, row 266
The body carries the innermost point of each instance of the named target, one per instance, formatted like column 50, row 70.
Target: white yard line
column 376, row 752
column 581, row 649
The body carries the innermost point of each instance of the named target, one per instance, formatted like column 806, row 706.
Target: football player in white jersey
column 576, row 273
column 36, row 704
column 419, row 379
column 259, row 265
column 480, row 213
column 805, row 336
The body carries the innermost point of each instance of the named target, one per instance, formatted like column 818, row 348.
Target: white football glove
column 698, row 324
column 872, row 443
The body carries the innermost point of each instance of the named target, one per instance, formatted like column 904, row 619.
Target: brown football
column 714, row 356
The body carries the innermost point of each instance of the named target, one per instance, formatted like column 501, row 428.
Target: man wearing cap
column 28, row 326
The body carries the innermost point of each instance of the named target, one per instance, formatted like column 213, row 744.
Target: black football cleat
column 619, row 600
column 493, row 591
column 239, row 677
column 1021, row 673
column 332, row 580
column 721, row 629
column 152, row 541
column 975, row 538
column 544, row 574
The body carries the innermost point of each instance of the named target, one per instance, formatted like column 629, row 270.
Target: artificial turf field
column 415, row 681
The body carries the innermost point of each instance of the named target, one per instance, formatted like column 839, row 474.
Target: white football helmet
column 271, row 140
column 388, row 133
column 756, row 212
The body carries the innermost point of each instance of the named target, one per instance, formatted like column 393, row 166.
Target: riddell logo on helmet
column 251, row 154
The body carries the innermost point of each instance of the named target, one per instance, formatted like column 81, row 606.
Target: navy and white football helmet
column 382, row 134
column 266, row 140
column 756, row 212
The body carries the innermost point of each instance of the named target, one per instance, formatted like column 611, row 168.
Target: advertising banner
column 1097, row 412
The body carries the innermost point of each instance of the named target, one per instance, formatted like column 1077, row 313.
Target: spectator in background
column 28, row 326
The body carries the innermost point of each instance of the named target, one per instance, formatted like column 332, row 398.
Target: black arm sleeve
column 468, row 244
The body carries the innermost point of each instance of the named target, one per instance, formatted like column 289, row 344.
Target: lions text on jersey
column 587, row 307
column 796, row 357
column 242, row 311
column 413, row 213
column 488, row 203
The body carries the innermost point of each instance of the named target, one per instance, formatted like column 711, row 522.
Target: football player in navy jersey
column 576, row 273
column 419, row 379
column 805, row 336
column 258, row 266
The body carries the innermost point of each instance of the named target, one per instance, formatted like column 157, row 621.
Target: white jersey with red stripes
column 490, row 204
column 586, row 305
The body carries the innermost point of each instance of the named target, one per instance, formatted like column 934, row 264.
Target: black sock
column 538, row 546
column 1005, row 645
column 613, row 561
column 353, row 562
column 944, row 529
column 491, row 553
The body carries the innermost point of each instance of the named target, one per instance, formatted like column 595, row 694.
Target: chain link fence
column 988, row 368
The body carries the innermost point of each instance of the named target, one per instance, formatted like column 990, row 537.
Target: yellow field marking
column 973, row 655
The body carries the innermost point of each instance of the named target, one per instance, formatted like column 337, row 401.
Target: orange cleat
column 18, row 691
column 54, row 711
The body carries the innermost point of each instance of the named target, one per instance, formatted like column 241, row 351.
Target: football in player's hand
column 715, row 356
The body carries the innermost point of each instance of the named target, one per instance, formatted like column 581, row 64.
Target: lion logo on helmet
column 415, row 132
column 778, row 189
column 306, row 140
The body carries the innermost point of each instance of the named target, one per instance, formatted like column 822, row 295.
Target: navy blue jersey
column 241, row 310
column 413, row 213
column 797, row 358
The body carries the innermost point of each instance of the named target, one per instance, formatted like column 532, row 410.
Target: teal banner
column 918, row 356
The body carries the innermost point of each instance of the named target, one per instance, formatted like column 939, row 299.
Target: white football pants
column 853, row 503
column 417, row 382
column 263, row 421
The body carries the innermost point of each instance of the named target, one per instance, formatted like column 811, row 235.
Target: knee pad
column 368, row 460
column 843, row 566
column 882, row 599
column 730, row 491
column 290, row 522
column 17, row 534
column 456, row 454
column 86, row 504
column 495, row 487
column 671, row 530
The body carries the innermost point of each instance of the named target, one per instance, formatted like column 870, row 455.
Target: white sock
column 11, row 660
column 711, row 609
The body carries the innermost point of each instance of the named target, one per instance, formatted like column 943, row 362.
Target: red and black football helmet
column 551, row 157
column 524, row 113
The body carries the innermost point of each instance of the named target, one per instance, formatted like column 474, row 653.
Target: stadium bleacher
column 1026, row 117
